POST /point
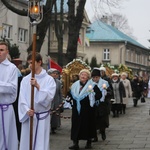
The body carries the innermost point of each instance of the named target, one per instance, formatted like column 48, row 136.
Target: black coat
column 15, row 105
column 137, row 88
column 83, row 124
column 102, row 115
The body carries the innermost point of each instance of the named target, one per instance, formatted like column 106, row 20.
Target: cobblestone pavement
column 130, row 131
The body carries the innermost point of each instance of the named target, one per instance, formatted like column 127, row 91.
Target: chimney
column 113, row 23
column 104, row 19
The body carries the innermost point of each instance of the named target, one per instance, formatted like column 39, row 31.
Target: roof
column 100, row 32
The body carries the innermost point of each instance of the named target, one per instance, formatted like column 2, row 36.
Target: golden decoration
column 71, row 72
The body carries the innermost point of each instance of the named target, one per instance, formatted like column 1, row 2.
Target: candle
column 104, row 86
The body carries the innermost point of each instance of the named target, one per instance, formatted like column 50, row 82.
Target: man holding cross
column 44, row 91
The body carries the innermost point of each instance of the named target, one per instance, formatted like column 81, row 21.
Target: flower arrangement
column 79, row 60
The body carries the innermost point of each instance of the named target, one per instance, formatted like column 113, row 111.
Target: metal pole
column 32, row 87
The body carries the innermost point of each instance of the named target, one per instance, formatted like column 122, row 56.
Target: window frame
column 7, row 31
column 22, row 35
column 106, row 54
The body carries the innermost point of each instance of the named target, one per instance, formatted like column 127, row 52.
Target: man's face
column 96, row 79
column 37, row 64
column 115, row 77
column 102, row 73
column 55, row 75
column 3, row 52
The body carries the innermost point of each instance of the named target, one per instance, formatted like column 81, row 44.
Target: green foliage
column 93, row 62
column 87, row 61
column 14, row 51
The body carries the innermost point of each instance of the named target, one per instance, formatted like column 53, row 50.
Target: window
column 128, row 55
column 7, row 31
column 143, row 60
column 137, row 58
column 53, row 34
column 22, row 35
column 132, row 57
column 106, row 54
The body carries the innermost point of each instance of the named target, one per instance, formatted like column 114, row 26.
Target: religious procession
column 75, row 105
column 32, row 107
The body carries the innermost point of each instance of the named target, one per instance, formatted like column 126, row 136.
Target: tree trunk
column 74, row 25
column 59, row 32
column 42, row 27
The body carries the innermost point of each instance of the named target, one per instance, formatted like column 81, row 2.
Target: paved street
column 128, row 132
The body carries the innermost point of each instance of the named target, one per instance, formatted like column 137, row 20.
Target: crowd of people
column 93, row 98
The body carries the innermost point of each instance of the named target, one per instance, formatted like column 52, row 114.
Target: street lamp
column 35, row 16
column 35, row 11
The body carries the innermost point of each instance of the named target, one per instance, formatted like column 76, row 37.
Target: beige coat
column 128, row 90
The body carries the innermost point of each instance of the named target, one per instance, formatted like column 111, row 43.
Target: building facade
column 98, row 39
column 18, row 30
column 109, row 45
column 15, row 28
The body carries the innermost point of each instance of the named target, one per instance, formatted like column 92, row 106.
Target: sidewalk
column 128, row 132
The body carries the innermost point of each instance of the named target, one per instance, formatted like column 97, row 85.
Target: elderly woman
column 118, row 94
column 83, row 95
column 128, row 89
column 137, row 88
column 101, row 106
column 57, row 101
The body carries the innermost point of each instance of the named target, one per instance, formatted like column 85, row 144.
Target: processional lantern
column 35, row 16
column 35, row 11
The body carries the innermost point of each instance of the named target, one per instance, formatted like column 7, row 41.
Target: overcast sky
column 138, row 14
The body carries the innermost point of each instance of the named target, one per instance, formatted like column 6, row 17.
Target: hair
column 38, row 57
column 52, row 70
column 86, row 71
column 95, row 72
column 4, row 43
column 124, row 74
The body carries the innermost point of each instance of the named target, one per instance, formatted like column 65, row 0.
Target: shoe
column 75, row 147
column 114, row 115
column 135, row 102
column 95, row 139
column 53, row 132
column 124, row 108
column 124, row 112
column 99, row 131
column 103, row 136
column 117, row 115
column 88, row 144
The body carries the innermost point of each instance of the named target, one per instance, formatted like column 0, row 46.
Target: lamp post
column 35, row 16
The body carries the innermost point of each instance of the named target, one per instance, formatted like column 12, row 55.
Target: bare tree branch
column 104, row 6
